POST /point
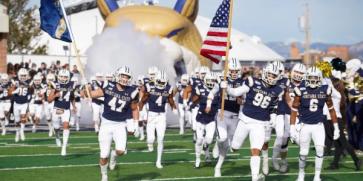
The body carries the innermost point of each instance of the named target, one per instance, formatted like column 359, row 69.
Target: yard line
column 11, row 145
column 247, row 176
column 81, row 137
column 91, row 153
column 310, row 159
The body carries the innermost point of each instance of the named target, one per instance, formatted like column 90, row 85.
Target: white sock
column 255, row 166
column 264, row 153
column 160, row 151
column 104, row 169
column 181, row 124
column 198, row 150
column 22, row 126
column 302, row 163
column 65, row 137
column 113, row 153
column 220, row 161
column 318, row 165
column 141, row 131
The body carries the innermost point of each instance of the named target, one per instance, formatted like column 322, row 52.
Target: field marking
column 81, row 137
column 92, row 153
column 247, row 176
column 309, row 159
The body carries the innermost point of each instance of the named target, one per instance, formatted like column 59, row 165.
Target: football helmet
column 298, row 72
column 152, row 71
column 64, row 76
column 270, row 74
column 234, row 69
column 23, row 74
column 161, row 80
column 203, row 71
column 123, row 75
column 209, row 80
column 184, row 80
column 313, row 77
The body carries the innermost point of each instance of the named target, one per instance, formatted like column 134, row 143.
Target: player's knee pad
column 319, row 150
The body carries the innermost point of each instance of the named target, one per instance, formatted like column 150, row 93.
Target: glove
column 293, row 134
column 175, row 111
column 336, row 131
column 224, row 84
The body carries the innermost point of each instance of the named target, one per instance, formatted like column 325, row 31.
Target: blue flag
column 52, row 20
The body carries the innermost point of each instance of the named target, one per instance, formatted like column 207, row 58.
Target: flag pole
column 78, row 57
column 227, row 55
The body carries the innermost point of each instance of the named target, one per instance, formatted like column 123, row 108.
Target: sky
column 331, row 21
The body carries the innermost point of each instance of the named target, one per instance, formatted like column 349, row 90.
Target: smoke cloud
column 124, row 45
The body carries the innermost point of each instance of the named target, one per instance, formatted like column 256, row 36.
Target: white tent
column 244, row 47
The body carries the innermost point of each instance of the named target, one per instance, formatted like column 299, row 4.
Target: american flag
column 215, row 44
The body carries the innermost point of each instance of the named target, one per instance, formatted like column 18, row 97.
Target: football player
column 309, row 102
column 156, row 96
column 63, row 96
column 183, row 113
column 143, row 113
column 5, row 103
column 76, row 111
column 296, row 79
column 97, row 103
column 261, row 99
column 205, row 120
column 36, row 103
column 227, row 127
column 50, row 81
column 21, row 96
column 277, row 121
column 120, row 103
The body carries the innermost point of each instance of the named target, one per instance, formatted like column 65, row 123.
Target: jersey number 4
column 113, row 104
column 261, row 100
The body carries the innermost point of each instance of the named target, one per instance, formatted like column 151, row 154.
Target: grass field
column 38, row 159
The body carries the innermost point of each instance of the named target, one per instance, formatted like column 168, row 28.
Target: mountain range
column 355, row 50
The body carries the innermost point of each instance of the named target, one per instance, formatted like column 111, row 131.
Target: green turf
column 38, row 159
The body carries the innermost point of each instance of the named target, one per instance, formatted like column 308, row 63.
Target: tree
column 23, row 28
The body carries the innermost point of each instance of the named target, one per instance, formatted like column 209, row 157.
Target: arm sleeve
column 239, row 91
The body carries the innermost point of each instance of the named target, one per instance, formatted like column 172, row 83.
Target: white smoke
column 124, row 45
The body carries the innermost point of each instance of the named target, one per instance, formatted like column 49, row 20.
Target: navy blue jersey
column 22, row 93
column 146, row 80
column 291, row 91
column 230, row 103
column 158, row 97
column 4, row 94
column 312, row 103
column 117, row 103
column 203, row 117
column 95, row 85
column 260, row 99
column 282, row 107
column 66, row 95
